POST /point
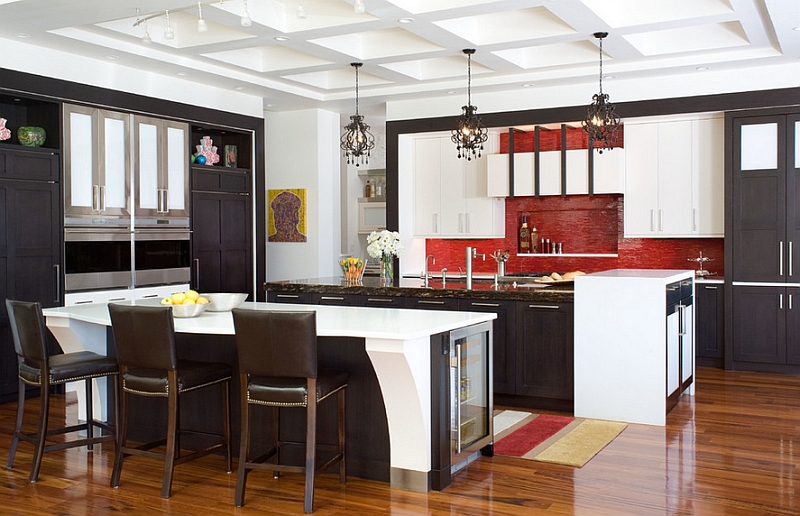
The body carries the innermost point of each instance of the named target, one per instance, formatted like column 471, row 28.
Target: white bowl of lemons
column 186, row 304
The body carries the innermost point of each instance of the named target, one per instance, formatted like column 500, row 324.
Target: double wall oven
column 126, row 201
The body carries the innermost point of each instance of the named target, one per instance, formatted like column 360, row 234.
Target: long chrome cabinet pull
column 57, row 270
column 426, row 302
column 197, row 274
column 780, row 301
column 96, row 197
column 103, row 198
column 652, row 220
column 378, row 300
column 710, row 288
column 289, row 296
column 486, row 304
column 780, row 257
column 661, row 220
column 790, row 301
column 554, row 307
column 790, row 259
column 331, row 298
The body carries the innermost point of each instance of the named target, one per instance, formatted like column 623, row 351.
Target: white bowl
column 223, row 302
column 188, row 310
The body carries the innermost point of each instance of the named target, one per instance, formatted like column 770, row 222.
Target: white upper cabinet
column 450, row 194
column 96, row 163
column 609, row 171
column 161, row 169
column 673, row 178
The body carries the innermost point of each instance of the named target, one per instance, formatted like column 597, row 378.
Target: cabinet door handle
column 112, row 299
column 95, row 197
column 197, row 274
column 553, row 307
column 331, row 298
column 493, row 305
column 150, row 296
column 288, row 296
column 84, row 302
column 780, row 257
column 780, row 301
column 460, row 222
column 710, row 288
column 378, row 300
column 103, row 198
column 427, row 302
column 790, row 301
column 661, row 220
column 652, row 220
column 57, row 270
column 435, row 223
column 694, row 219
column 790, row 259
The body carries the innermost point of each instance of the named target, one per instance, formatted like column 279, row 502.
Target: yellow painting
column 287, row 215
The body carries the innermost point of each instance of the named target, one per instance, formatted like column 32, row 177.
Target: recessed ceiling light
column 281, row 38
column 701, row 68
column 452, row 92
column 406, row 20
column 796, row 28
column 22, row 35
column 240, row 88
column 609, row 76
column 182, row 74
column 112, row 57
column 269, row 105
column 528, row 85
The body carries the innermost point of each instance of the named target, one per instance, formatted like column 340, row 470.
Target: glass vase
column 387, row 270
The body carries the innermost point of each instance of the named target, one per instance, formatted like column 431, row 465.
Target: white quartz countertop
column 332, row 321
column 668, row 275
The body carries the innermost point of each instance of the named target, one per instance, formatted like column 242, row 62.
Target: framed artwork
column 287, row 215
column 231, row 156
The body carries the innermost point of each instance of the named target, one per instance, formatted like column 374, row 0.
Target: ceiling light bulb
column 168, row 34
column 359, row 7
column 202, row 26
column 146, row 39
column 246, row 21
column 301, row 11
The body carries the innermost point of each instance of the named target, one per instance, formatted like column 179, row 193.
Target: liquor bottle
column 368, row 189
column 379, row 187
column 534, row 240
column 524, row 237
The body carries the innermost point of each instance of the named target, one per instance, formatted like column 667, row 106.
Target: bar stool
column 278, row 368
column 37, row 367
column 148, row 366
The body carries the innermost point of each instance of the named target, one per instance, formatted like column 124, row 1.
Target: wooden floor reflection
column 728, row 450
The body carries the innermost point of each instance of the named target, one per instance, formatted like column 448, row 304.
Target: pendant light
column 357, row 141
column 601, row 122
column 470, row 134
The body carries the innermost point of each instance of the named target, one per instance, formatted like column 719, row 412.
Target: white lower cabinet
column 450, row 194
column 674, row 173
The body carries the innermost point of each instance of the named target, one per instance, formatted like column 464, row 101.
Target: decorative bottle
column 368, row 189
column 534, row 240
column 524, row 237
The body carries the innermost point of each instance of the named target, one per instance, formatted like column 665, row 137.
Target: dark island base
column 368, row 451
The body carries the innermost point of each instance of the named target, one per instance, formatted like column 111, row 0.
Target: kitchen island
column 533, row 331
column 399, row 345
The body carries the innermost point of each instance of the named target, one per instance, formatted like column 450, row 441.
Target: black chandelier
column 357, row 141
column 601, row 122
column 470, row 134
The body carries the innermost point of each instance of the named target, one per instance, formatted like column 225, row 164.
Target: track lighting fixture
column 359, row 7
column 246, row 21
column 301, row 11
column 168, row 34
column 202, row 26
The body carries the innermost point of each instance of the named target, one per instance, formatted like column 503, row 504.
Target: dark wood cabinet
column 303, row 298
column 709, row 309
column 545, row 346
column 432, row 304
column 764, row 211
column 504, row 353
column 380, row 301
column 31, row 232
column 332, row 299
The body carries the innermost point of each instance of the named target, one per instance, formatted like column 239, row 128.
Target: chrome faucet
column 444, row 277
column 472, row 253
column 425, row 274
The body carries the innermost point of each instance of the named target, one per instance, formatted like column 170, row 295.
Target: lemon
column 202, row 301
column 188, row 301
column 192, row 294
column 178, row 298
column 166, row 301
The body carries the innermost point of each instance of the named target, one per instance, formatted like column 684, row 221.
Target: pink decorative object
column 5, row 134
column 207, row 149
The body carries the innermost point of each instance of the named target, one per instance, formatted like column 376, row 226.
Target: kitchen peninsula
column 400, row 406
column 533, row 331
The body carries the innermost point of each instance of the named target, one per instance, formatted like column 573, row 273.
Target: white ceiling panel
column 378, row 44
column 268, row 58
column 689, row 39
column 436, row 68
column 551, row 55
column 508, row 26
column 627, row 13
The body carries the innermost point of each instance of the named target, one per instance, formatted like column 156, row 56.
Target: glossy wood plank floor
column 728, row 450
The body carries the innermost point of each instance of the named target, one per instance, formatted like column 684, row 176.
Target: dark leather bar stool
column 37, row 367
column 278, row 368
column 149, row 366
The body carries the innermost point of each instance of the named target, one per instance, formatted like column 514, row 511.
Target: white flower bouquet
column 382, row 243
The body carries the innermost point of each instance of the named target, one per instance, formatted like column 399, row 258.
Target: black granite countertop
column 454, row 288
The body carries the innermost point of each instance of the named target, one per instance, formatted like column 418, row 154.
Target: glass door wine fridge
column 471, row 406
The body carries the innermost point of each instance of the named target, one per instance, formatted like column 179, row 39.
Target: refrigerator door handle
column 457, row 398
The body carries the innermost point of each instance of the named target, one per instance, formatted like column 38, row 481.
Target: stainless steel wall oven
column 161, row 256
column 98, row 258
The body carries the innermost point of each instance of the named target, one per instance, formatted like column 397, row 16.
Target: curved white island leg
column 403, row 369
column 73, row 336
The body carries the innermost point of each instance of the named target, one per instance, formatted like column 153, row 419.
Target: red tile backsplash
column 550, row 140
column 584, row 224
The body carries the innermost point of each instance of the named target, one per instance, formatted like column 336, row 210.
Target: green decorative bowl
column 31, row 136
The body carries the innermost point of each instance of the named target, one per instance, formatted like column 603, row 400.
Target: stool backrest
column 276, row 343
column 144, row 336
column 28, row 330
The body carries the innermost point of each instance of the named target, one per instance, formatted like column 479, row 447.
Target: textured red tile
column 584, row 224
column 550, row 140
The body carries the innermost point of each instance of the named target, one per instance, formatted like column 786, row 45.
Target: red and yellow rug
column 550, row 438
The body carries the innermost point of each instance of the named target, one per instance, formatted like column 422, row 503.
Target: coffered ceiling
column 410, row 48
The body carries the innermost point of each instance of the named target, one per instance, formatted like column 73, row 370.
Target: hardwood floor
column 728, row 450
